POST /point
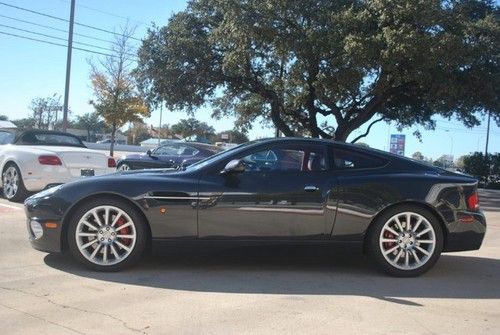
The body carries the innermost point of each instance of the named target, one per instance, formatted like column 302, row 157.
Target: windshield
column 221, row 155
column 6, row 137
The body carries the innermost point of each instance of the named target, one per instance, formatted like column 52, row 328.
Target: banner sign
column 398, row 144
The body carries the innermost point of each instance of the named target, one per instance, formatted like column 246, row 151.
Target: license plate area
column 87, row 172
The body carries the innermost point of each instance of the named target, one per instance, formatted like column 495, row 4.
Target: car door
column 286, row 192
column 184, row 152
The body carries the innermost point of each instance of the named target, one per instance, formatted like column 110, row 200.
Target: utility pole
column 68, row 65
column 159, row 128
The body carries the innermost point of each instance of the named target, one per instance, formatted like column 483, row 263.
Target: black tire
column 121, row 166
column 374, row 248
column 21, row 194
column 142, row 234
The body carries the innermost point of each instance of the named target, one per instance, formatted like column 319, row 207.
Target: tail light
column 473, row 201
column 49, row 160
column 111, row 162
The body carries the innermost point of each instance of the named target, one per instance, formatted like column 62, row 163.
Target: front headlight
column 36, row 229
column 47, row 192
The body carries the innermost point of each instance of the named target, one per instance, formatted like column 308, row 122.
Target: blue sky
column 31, row 69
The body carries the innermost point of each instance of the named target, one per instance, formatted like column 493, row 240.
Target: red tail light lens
column 49, row 160
column 111, row 162
column 473, row 201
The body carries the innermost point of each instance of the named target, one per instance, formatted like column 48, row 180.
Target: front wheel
column 406, row 241
column 107, row 235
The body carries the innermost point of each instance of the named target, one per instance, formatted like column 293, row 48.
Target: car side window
column 166, row 150
column 351, row 159
column 287, row 158
column 6, row 137
column 185, row 150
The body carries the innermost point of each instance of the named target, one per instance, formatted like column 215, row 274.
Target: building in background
column 7, row 124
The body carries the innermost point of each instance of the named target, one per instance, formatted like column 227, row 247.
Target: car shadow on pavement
column 298, row 271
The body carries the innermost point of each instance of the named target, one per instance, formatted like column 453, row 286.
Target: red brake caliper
column 123, row 231
column 388, row 245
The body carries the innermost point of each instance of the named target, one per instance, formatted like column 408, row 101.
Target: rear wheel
column 123, row 167
column 13, row 186
column 107, row 235
column 406, row 241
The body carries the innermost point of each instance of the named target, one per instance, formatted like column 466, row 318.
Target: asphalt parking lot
column 247, row 290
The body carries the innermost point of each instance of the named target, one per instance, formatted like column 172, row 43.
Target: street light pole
column 487, row 135
column 451, row 149
column 486, row 148
column 68, row 65
column 159, row 128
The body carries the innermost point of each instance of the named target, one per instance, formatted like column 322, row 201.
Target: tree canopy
column 193, row 128
column 324, row 68
column 45, row 111
column 92, row 123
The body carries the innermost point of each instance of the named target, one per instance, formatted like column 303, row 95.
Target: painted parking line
column 10, row 207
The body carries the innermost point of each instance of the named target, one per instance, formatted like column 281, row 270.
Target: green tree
column 476, row 165
column 138, row 132
column 495, row 165
column 91, row 122
column 26, row 123
column 418, row 156
column 46, row 111
column 3, row 118
column 116, row 98
column 324, row 68
column 444, row 162
column 193, row 128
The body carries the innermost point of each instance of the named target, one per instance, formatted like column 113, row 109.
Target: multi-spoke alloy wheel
column 123, row 167
column 107, row 236
column 13, row 187
column 406, row 241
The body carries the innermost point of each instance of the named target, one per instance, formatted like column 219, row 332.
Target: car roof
column 21, row 133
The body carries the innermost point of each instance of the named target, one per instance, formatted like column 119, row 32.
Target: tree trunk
column 112, row 145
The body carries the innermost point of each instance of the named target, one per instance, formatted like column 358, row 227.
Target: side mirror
column 149, row 152
column 234, row 166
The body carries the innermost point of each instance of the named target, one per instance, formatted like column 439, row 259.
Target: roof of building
column 7, row 124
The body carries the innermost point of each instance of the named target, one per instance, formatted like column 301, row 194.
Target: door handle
column 311, row 188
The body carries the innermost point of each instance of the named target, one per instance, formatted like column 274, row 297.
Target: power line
column 53, row 28
column 65, row 20
column 58, row 44
column 59, row 38
column 106, row 13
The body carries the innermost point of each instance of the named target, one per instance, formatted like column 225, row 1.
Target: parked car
column 108, row 141
column 32, row 160
column 402, row 213
column 169, row 155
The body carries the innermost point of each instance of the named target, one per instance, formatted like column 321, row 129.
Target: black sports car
column 401, row 212
column 168, row 155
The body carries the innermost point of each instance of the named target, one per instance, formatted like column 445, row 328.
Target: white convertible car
column 33, row 160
